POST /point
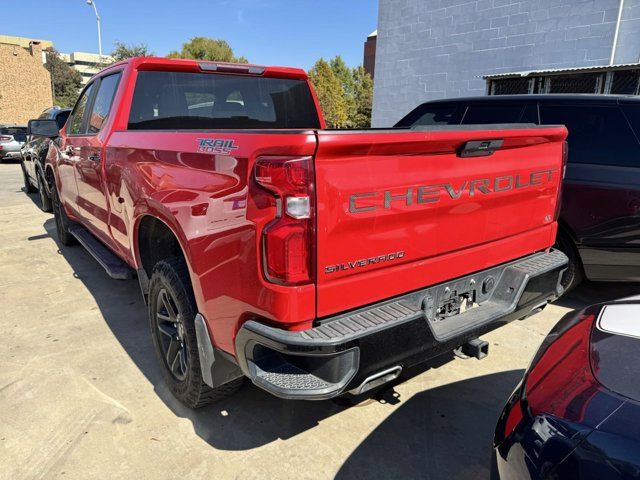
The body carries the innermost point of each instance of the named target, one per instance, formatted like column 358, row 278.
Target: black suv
column 34, row 153
column 600, row 216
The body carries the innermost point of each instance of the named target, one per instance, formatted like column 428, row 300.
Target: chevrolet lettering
column 426, row 194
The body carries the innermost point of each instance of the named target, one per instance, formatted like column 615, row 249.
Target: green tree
column 355, row 87
column 66, row 82
column 122, row 51
column 344, row 74
column 204, row 48
column 362, row 98
column 330, row 94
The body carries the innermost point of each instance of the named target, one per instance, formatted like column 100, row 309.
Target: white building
column 88, row 64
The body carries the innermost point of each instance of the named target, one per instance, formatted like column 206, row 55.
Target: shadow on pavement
column 588, row 293
column 441, row 433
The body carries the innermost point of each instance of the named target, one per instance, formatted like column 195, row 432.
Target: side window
column 433, row 114
column 492, row 112
column 530, row 114
column 74, row 125
column 597, row 134
column 632, row 111
column 102, row 103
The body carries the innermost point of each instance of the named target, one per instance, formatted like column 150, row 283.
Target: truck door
column 73, row 140
column 89, row 171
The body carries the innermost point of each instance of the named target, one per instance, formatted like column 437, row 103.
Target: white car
column 12, row 138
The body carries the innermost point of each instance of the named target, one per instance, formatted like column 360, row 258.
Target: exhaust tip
column 377, row 379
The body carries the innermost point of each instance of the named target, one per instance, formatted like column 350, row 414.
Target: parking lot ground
column 81, row 395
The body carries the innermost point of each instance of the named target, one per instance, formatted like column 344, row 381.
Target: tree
column 343, row 73
column 204, row 48
column 66, row 82
column 122, row 51
column 355, row 88
column 362, row 98
column 330, row 94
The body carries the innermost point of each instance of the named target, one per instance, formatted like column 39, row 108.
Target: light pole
column 93, row 4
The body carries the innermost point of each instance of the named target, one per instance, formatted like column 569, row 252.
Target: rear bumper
column 346, row 350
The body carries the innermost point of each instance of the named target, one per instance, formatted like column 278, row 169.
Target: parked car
column 34, row 153
column 576, row 414
column 312, row 261
column 12, row 137
column 600, row 217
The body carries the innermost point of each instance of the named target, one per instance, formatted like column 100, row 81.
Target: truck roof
column 186, row 65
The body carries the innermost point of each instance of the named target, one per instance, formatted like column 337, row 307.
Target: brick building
column 25, row 84
column 369, row 60
column 429, row 49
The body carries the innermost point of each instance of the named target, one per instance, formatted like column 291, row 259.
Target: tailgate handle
column 479, row 148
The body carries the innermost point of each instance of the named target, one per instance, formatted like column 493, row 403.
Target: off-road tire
column 172, row 276
column 63, row 224
column 45, row 201
column 27, row 184
column 574, row 274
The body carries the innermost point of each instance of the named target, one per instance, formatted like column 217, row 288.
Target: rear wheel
column 574, row 274
column 172, row 314
column 45, row 201
column 27, row 183
column 63, row 224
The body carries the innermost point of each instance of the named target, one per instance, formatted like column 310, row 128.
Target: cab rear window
column 186, row 101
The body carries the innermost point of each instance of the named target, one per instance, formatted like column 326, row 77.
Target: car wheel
column 574, row 274
column 27, row 183
column 45, row 201
column 172, row 312
column 63, row 224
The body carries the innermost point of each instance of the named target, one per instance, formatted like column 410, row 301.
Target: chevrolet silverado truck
column 315, row 262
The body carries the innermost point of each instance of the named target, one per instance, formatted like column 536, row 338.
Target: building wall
column 88, row 64
column 369, row 60
column 25, row 84
column 429, row 49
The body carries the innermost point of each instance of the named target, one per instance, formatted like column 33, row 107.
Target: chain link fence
column 620, row 82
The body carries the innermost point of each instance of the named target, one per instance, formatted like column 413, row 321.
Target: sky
column 270, row 32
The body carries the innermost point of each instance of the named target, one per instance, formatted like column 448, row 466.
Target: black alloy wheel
column 171, row 338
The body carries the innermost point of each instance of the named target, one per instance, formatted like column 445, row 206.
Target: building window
column 578, row 83
column 511, row 86
column 626, row 82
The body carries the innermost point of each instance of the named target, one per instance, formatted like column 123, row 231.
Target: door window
column 102, row 103
column 485, row 113
column 433, row 114
column 597, row 134
column 75, row 123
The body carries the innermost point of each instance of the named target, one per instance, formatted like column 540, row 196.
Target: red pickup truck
column 313, row 261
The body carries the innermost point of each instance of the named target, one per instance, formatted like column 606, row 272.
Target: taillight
column 287, row 240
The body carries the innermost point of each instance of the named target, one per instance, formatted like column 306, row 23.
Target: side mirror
column 43, row 128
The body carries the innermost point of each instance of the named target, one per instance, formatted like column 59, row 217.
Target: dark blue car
column 576, row 413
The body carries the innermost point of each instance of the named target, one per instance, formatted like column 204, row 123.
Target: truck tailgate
column 400, row 210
